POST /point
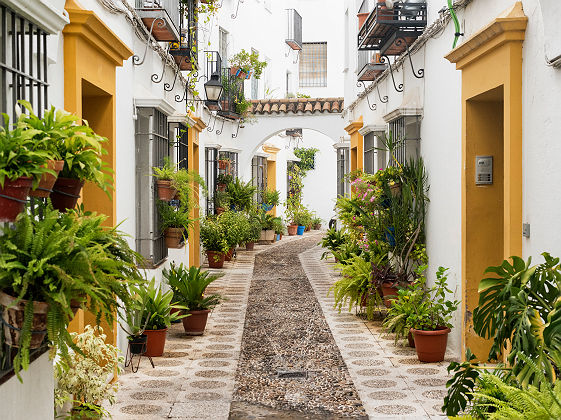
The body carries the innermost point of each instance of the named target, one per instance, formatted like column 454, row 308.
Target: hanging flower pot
column 250, row 246
column 156, row 342
column 362, row 19
column 166, row 191
column 223, row 164
column 292, row 230
column 137, row 345
column 47, row 182
column 13, row 317
column 174, row 237
column 431, row 345
column 12, row 198
column 195, row 323
column 66, row 193
column 215, row 259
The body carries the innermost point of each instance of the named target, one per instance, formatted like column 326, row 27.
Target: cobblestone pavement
column 353, row 370
column 390, row 380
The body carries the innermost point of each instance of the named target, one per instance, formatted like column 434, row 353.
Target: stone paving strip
column 290, row 366
column 390, row 380
column 194, row 380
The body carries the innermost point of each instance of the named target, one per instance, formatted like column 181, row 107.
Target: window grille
column 152, row 147
column 313, row 64
column 343, row 168
column 406, row 131
column 223, row 46
column 211, row 175
column 181, row 141
column 23, row 63
column 381, row 153
column 259, row 175
column 233, row 156
column 369, row 153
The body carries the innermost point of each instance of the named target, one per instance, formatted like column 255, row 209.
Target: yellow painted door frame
column 491, row 65
column 357, row 144
column 92, row 53
column 193, row 165
column 271, row 171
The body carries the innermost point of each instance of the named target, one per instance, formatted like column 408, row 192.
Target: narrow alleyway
column 276, row 349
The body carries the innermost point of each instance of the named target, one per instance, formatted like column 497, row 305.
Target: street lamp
column 213, row 89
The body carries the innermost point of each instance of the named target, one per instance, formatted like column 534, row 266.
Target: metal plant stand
column 129, row 359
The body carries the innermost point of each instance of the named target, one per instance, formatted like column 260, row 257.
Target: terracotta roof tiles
column 286, row 106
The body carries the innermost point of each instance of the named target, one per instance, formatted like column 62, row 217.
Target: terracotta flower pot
column 15, row 193
column 292, row 230
column 250, row 246
column 47, row 182
column 166, row 191
column 219, row 210
column 383, row 13
column 13, row 316
column 362, row 18
column 317, row 227
column 411, row 340
column 230, row 254
column 390, row 293
column 173, row 237
column 66, row 193
column 431, row 345
column 156, row 342
column 195, row 324
column 215, row 259
column 137, row 345
column 222, row 187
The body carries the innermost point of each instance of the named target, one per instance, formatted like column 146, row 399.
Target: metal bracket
column 136, row 60
column 167, row 87
column 219, row 132
column 235, row 15
column 154, row 76
column 385, row 99
column 371, row 106
column 419, row 74
column 238, row 130
column 297, row 57
column 383, row 59
column 209, row 129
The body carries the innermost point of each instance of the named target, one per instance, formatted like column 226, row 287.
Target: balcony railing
column 294, row 34
column 233, row 92
column 185, row 51
column 406, row 20
column 161, row 17
column 368, row 68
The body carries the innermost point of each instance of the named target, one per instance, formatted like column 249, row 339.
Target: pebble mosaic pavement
column 196, row 377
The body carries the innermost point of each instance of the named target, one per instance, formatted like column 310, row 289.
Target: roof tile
column 296, row 105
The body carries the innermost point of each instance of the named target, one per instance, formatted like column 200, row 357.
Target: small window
column 369, row 153
column 313, row 64
column 343, row 165
column 180, row 139
column 211, row 175
column 223, row 46
column 406, row 131
column 259, row 175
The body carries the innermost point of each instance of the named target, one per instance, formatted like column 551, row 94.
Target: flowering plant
column 85, row 375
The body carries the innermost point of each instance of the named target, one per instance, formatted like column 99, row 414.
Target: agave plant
column 189, row 286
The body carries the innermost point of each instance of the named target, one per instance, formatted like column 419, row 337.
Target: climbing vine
column 297, row 171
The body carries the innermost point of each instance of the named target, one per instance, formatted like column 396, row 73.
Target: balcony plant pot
column 383, row 12
column 431, row 345
column 13, row 317
column 173, row 237
column 195, row 323
column 229, row 255
column 238, row 72
column 223, row 164
column 301, row 230
column 66, row 193
column 166, row 191
column 249, row 246
column 389, row 290
column 156, row 342
column 215, row 259
column 137, row 345
column 182, row 57
column 362, row 19
column 292, row 230
column 47, row 181
column 14, row 195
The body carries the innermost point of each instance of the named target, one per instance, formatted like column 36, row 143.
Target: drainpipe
column 456, row 23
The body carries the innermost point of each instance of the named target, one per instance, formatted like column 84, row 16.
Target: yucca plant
column 189, row 286
column 157, row 314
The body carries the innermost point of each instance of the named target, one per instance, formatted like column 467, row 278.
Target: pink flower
column 372, row 199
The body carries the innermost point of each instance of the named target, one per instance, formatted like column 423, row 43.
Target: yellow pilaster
column 193, row 164
column 271, row 170
column 357, row 144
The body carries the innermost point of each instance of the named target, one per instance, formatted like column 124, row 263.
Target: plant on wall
column 248, row 63
column 307, row 156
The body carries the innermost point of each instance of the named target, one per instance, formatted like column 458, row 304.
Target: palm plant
column 189, row 286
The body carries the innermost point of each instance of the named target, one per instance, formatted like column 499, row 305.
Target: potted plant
column 245, row 64
column 270, row 199
column 189, row 286
column 235, row 226
column 135, row 326
column 214, row 242
column 20, row 167
column 174, row 222
column 267, row 236
column 431, row 320
column 164, row 180
column 224, row 163
column 316, row 223
column 241, row 195
column 221, row 201
column 223, row 180
column 84, row 377
column 157, row 316
column 300, row 219
column 253, row 233
column 279, row 227
column 50, row 264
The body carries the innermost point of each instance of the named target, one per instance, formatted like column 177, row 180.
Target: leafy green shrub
column 213, row 236
column 189, row 287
